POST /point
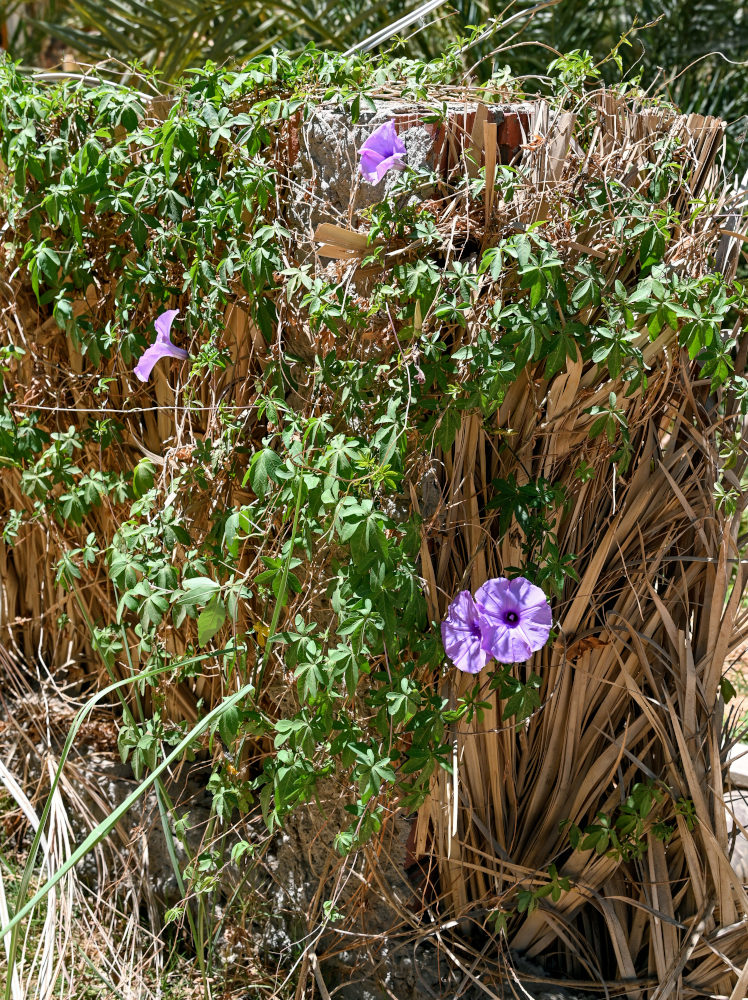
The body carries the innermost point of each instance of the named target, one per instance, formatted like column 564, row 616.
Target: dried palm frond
column 631, row 687
column 630, row 690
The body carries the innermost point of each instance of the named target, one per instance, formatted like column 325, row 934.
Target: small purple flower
column 461, row 635
column 162, row 347
column 514, row 618
column 383, row 150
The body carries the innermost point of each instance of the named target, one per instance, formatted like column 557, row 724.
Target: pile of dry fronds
column 630, row 689
column 632, row 684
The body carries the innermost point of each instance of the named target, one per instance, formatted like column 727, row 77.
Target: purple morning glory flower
column 514, row 618
column 461, row 635
column 383, row 150
column 162, row 347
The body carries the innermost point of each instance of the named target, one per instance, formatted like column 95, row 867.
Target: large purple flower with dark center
column 461, row 635
column 383, row 150
column 162, row 348
column 514, row 618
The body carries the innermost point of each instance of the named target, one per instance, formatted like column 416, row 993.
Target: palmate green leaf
column 153, row 609
column 210, row 620
column 143, row 477
column 228, row 725
column 197, row 590
column 263, row 469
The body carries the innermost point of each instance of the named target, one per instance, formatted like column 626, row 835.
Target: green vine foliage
column 281, row 542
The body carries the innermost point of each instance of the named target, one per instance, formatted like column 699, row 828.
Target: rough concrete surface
column 328, row 185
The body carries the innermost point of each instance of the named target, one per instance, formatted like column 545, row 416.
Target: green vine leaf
column 210, row 620
column 263, row 470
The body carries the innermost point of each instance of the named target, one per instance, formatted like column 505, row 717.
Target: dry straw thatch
column 631, row 687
